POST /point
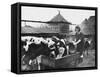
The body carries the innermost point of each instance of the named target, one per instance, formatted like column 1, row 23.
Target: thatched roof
column 59, row 19
column 88, row 25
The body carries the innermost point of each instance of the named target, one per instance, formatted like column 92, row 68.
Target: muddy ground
column 88, row 60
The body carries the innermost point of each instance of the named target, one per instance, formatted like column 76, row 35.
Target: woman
column 79, row 40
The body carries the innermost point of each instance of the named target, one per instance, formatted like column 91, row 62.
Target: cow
column 37, row 46
column 87, row 44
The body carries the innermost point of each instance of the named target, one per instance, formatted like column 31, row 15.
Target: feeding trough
column 65, row 62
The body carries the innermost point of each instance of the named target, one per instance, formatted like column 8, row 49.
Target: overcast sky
column 46, row 14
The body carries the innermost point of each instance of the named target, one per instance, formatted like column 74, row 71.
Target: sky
column 75, row 16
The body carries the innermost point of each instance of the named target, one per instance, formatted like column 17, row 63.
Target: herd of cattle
column 33, row 47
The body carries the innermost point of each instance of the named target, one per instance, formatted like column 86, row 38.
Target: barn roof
column 59, row 18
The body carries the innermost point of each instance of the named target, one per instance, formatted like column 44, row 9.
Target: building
column 58, row 24
column 88, row 26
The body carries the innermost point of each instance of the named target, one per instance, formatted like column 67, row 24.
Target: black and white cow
column 87, row 44
column 32, row 47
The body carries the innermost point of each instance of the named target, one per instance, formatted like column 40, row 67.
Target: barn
column 58, row 24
